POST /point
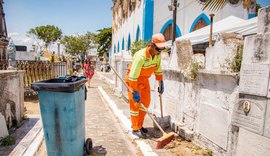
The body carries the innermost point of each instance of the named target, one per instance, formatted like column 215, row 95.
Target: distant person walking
column 89, row 71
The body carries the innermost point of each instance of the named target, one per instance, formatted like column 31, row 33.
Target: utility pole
column 211, row 30
column 173, row 7
column 58, row 51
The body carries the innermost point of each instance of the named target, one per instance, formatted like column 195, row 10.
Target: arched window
column 200, row 22
column 129, row 42
column 167, row 30
column 118, row 47
column 123, row 44
column 138, row 34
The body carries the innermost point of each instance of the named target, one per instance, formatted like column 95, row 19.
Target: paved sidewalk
column 107, row 124
column 120, row 109
column 102, row 126
column 26, row 135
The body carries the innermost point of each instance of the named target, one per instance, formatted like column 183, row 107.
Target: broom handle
column 161, row 109
column 160, row 101
column 159, row 127
column 120, row 78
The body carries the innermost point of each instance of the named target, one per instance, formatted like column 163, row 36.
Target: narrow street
column 111, row 132
column 102, row 126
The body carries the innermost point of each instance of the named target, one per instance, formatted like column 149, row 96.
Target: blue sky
column 71, row 16
column 263, row 2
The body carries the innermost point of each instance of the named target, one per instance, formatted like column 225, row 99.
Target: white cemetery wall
column 267, row 120
column 217, row 94
column 219, row 57
column 250, row 117
column 251, row 144
column 264, row 20
column 12, row 86
column 3, row 127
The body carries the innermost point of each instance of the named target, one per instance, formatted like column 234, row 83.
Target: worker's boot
column 144, row 130
column 139, row 133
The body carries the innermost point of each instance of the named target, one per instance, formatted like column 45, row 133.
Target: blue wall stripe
column 148, row 19
column 178, row 31
column 201, row 16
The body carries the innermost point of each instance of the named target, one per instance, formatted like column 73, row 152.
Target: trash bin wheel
column 88, row 145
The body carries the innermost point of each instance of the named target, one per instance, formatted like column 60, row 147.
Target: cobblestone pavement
column 103, row 127
column 178, row 147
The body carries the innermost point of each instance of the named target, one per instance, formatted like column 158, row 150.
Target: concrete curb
column 30, row 144
column 110, row 82
column 144, row 147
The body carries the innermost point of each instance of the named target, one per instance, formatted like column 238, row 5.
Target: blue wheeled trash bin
column 62, row 106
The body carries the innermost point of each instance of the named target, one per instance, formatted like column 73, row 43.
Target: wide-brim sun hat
column 159, row 40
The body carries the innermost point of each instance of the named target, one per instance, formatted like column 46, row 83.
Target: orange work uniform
column 139, row 71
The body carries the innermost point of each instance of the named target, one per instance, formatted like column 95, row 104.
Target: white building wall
column 129, row 26
column 188, row 11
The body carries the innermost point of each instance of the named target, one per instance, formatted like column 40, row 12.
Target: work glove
column 161, row 87
column 136, row 96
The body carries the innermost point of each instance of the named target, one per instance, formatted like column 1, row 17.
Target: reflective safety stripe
column 142, row 109
column 133, row 113
column 132, row 79
column 149, row 66
column 158, row 73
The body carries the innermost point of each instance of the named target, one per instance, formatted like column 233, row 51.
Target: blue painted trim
column 178, row 31
column 123, row 43
column 148, row 19
column 201, row 16
column 129, row 42
column 251, row 16
column 138, row 33
column 118, row 47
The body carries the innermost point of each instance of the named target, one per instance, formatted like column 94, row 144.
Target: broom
column 166, row 137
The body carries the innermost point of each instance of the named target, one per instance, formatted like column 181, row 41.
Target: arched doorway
column 201, row 21
column 167, row 30
column 200, row 24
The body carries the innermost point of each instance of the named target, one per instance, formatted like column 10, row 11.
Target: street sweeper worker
column 145, row 62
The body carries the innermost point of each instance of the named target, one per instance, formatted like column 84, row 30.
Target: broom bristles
column 164, row 140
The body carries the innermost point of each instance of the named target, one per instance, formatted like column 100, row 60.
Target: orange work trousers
column 137, row 113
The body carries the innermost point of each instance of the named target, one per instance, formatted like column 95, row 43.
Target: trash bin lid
column 68, row 84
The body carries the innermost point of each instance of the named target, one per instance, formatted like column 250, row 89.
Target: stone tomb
column 267, row 120
column 250, row 117
column 251, row 144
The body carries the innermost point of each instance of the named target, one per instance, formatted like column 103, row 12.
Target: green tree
column 138, row 45
column 258, row 6
column 103, row 39
column 215, row 5
column 48, row 34
column 78, row 44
